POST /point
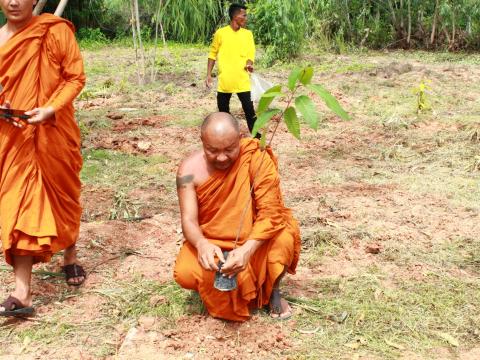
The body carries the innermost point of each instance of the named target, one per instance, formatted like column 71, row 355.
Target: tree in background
column 284, row 26
column 280, row 26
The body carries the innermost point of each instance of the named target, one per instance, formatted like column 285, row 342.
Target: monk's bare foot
column 286, row 311
column 279, row 307
column 74, row 272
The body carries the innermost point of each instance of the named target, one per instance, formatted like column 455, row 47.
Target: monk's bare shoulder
column 191, row 170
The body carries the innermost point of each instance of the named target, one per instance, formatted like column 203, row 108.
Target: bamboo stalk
column 61, row 8
column 39, row 7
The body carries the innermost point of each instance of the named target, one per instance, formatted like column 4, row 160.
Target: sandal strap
column 73, row 270
column 12, row 303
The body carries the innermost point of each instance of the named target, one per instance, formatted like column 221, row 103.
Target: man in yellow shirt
column 234, row 50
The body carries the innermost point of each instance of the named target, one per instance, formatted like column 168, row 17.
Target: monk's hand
column 206, row 255
column 11, row 121
column 237, row 261
column 39, row 115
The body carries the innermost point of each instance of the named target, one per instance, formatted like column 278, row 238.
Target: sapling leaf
column 272, row 94
column 306, row 75
column 266, row 100
column 263, row 140
column 293, row 78
column 307, row 109
column 329, row 100
column 263, row 119
column 292, row 122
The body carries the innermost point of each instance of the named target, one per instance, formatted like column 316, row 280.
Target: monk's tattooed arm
column 182, row 181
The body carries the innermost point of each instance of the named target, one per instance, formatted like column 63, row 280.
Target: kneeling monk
column 41, row 71
column 213, row 189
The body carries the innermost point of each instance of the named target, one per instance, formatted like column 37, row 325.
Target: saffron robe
column 40, row 66
column 221, row 202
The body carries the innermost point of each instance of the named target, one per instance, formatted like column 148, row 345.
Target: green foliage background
column 285, row 26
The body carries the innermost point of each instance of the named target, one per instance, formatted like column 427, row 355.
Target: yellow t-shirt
column 231, row 49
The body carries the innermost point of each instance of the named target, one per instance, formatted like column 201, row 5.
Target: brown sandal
column 13, row 307
column 74, row 271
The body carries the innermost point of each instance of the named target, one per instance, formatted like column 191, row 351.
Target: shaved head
column 218, row 124
column 220, row 134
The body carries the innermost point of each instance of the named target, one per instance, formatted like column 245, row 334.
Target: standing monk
column 234, row 50
column 213, row 189
column 41, row 71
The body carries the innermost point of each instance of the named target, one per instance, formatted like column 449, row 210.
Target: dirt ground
column 390, row 194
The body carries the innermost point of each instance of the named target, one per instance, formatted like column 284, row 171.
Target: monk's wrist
column 200, row 242
column 252, row 246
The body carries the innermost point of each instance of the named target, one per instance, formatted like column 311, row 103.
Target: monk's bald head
column 219, row 124
column 220, row 136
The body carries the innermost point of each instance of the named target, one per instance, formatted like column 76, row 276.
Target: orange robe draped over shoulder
column 221, row 202
column 40, row 211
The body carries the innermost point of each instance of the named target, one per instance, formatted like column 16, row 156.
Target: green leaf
column 306, row 75
column 263, row 140
column 272, row 94
column 330, row 101
column 263, row 119
column 293, row 78
column 265, row 100
column 307, row 109
column 292, row 122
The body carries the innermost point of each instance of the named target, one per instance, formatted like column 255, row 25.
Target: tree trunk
column 134, row 36
column 61, row 7
column 402, row 22
column 139, row 36
column 157, row 23
column 434, row 25
column 392, row 13
column 39, row 7
column 453, row 28
column 349, row 23
column 409, row 30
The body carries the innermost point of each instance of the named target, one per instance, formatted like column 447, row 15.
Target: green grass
column 133, row 299
column 114, row 169
column 320, row 243
column 123, row 304
column 413, row 315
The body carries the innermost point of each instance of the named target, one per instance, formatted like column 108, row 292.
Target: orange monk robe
column 221, row 202
column 40, row 66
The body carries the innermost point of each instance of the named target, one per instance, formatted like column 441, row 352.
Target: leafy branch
column 299, row 79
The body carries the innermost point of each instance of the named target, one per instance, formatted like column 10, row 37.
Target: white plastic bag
column 259, row 86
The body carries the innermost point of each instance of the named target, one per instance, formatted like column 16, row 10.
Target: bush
column 91, row 37
column 279, row 25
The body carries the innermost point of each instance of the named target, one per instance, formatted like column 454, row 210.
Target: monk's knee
column 282, row 249
column 185, row 279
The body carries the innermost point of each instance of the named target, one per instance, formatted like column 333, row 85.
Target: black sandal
column 74, row 271
column 14, row 308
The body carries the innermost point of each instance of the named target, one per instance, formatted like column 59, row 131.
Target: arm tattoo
column 182, row 181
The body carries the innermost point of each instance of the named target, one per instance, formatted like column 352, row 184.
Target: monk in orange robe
column 41, row 71
column 214, row 190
